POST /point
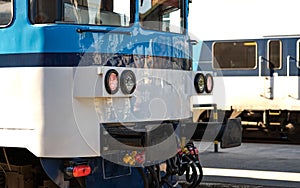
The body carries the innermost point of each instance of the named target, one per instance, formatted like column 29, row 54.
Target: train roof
column 297, row 36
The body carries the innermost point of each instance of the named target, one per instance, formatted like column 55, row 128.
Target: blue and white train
column 261, row 81
column 97, row 93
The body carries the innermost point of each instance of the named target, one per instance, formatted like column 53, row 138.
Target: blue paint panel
column 51, row 39
column 23, row 37
column 65, row 38
column 123, row 178
column 196, row 55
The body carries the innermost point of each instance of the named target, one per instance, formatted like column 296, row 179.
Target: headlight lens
column 128, row 82
column 209, row 83
column 199, row 83
column 112, row 81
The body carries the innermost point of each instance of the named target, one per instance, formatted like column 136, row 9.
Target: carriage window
column 163, row 15
column 234, row 55
column 274, row 54
column 94, row 12
column 5, row 12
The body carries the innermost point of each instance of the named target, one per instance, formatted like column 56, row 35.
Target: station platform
column 250, row 165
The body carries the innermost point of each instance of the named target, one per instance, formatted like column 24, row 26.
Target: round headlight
column 112, row 81
column 128, row 82
column 209, row 83
column 199, row 83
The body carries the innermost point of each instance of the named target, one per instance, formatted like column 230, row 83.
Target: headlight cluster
column 127, row 82
column 209, row 83
column 203, row 83
column 199, row 82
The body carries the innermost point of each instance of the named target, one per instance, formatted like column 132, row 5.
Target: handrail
column 260, row 60
column 103, row 31
column 288, row 59
column 288, row 65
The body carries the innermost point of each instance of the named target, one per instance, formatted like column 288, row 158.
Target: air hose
column 144, row 176
column 186, row 161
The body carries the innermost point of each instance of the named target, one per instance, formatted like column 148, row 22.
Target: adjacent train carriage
column 98, row 93
column 261, row 81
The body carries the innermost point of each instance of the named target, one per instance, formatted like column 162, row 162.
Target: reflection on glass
column 274, row 54
column 94, row 12
column 234, row 55
column 5, row 12
column 163, row 15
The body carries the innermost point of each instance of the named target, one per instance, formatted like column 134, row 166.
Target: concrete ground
column 251, row 165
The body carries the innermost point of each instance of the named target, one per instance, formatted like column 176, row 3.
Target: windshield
column 5, row 12
column 162, row 15
column 94, row 12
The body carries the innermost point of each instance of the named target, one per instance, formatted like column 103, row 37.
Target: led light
column 249, row 43
column 127, row 82
column 209, row 83
column 81, row 171
column 199, row 83
column 78, row 171
column 112, row 81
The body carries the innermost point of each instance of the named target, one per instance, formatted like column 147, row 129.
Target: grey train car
column 261, row 82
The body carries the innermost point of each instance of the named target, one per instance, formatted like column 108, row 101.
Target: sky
column 232, row 19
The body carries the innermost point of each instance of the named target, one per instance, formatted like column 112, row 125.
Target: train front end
column 103, row 87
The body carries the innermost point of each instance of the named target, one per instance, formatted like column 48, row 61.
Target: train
column 261, row 80
column 99, row 93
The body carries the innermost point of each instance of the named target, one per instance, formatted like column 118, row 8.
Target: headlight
column 112, row 81
column 128, row 82
column 209, row 83
column 199, row 82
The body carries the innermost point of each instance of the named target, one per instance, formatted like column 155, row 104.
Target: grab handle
column 288, row 59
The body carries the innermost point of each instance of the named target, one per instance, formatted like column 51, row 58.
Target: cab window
column 93, row 12
column 274, row 54
column 5, row 12
column 162, row 15
column 234, row 55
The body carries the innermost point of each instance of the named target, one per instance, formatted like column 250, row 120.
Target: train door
column 292, row 57
column 293, row 68
column 298, row 67
column 270, row 67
